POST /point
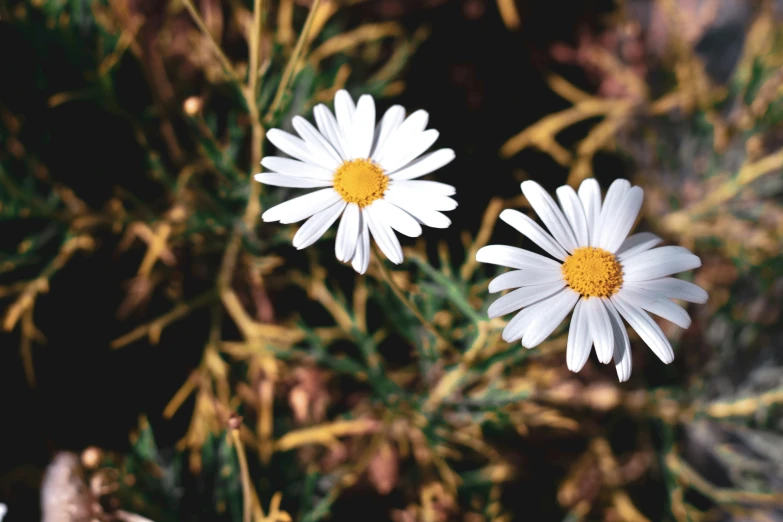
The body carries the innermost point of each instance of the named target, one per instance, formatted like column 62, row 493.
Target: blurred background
column 160, row 349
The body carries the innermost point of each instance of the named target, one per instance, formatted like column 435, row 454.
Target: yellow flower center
column 360, row 181
column 593, row 272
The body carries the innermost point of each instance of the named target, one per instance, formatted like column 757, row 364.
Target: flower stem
column 386, row 274
column 291, row 65
column 244, row 473
column 224, row 61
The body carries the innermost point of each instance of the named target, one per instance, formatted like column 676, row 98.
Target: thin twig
column 253, row 207
column 289, row 69
column 449, row 382
column 244, row 473
column 255, row 39
column 155, row 328
column 224, row 61
column 41, row 284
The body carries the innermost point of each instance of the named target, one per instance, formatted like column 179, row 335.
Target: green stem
column 454, row 292
column 402, row 297
column 289, row 69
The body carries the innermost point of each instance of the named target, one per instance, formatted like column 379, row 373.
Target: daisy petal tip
column 265, row 160
column 563, row 190
column 273, row 134
column 484, row 254
column 621, row 182
column 589, row 183
column 622, row 375
column 530, row 344
column 492, row 312
column 420, row 113
column 508, row 214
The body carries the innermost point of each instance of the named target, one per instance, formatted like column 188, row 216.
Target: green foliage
column 395, row 381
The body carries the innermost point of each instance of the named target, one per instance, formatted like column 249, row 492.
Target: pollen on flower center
column 360, row 181
column 593, row 272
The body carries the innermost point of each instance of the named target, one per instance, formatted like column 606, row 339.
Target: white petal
column 286, row 180
column 408, row 150
column 575, row 213
column 397, row 218
column 431, row 201
column 361, row 258
column 392, row 119
column 657, row 304
column 621, row 220
column 647, row 329
column 518, row 278
column 522, row 297
column 636, row 244
column 363, row 130
column 673, row 289
column 550, row 214
column 317, row 144
column 427, row 187
column 558, row 306
column 302, row 207
column 344, row 109
column 612, row 202
column 297, row 168
column 348, row 233
column 293, row 146
column 327, row 124
column 426, row 216
column 315, row 227
column 442, row 204
column 622, row 345
column 383, row 235
column 590, row 196
column 424, row 165
column 516, row 327
column 579, row 339
column 413, row 125
column 659, row 262
column 535, row 233
column 600, row 328
column 514, row 257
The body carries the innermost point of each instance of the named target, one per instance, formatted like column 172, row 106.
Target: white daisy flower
column 366, row 173
column 598, row 271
